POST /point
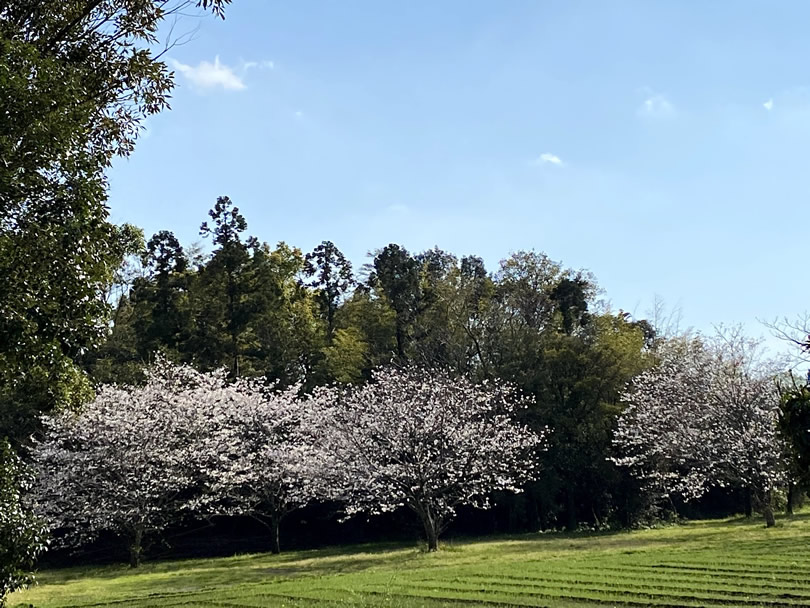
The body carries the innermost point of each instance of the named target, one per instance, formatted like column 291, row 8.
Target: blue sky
column 664, row 146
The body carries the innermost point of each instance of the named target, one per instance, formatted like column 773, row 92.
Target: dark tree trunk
column 400, row 336
column 275, row 525
column 272, row 522
column 234, row 354
column 790, row 497
column 432, row 536
column 136, row 549
column 749, row 502
column 432, row 527
column 767, row 509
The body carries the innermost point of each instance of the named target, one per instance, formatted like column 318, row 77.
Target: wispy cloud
column 789, row 108
column 547, row 158
column 207, row 75
column 298, row 114
column 656, row 105
column 262, row 65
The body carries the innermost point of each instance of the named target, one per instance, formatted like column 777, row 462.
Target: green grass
column 706, row 563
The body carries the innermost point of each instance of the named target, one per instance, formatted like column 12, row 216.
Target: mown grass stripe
column 684, row 570
column 655, row 572
column 724, row 570
column 653, row 575
column 590, row 593
column 547, row 599
column 721, row 588
column 577, row 588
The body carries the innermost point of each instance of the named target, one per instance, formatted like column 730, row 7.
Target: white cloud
column 768, row 105
column 549, row 159
column 210, row 75
column 656, row 105
column 298, row 114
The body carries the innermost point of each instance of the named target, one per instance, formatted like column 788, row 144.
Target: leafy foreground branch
column 22, row 534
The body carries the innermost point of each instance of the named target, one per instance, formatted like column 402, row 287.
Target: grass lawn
column 704, row 563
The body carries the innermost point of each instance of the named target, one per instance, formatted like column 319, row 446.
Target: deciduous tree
column 263, row 454
column 424, row 440
column 706, row 416
column 133, row 461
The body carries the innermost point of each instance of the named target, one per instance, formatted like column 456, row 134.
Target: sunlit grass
column 706, row 563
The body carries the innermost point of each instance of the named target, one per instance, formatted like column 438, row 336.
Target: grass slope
column 708, row 563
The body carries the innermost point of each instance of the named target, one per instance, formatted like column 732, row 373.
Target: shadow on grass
column 254, row 566
column 264, row 567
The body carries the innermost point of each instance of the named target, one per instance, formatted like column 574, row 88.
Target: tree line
column 308, row 319
column 699, row 413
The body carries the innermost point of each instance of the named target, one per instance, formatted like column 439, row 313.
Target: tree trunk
column 432, row 535
column 136, row 549
column 767, row 509
column 275, row 525
column 789, row 505
column 400, row 336
column 431, row 525
column 749, row 502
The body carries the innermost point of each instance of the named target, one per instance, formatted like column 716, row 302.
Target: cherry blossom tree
column 706, row 416
column 263, row 473
column 131, row 462
column 665, row 436
column 420, row 439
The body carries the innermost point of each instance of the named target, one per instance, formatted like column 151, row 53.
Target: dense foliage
column 77, row 78
column 311, row 389
column 22, row 534
column 794, row 424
